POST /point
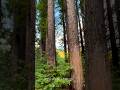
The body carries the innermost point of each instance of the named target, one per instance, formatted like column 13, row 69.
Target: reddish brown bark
column 50, row 39
column 74, row 49
column 98, row 77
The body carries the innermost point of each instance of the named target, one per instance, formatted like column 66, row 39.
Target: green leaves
column 51, row 77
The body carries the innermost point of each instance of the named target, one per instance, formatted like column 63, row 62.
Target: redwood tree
column 42, row 23
column 63, row 8
column 98, row 77
column 23, row 45
column 50, row 37
column 74, row 49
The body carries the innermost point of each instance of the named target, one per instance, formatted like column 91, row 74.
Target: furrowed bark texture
column 96, row 48
column 50, row 42
column 74, row 49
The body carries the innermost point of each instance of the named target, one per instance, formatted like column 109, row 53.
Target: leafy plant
column 51, row 77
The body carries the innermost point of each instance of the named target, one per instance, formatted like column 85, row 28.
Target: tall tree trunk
column 50, row 42
column 117, row 9
column 0, row 15
column 64, row 11
column 14, row 48
column 30, row 45
column 43, row 25
column 66, row 25
column 115, row 58
column 79, row 25
column 98, row 78
column 18, row 48
column 65, row 40
column 74, row 49
column 43, row 45
column 23, row 45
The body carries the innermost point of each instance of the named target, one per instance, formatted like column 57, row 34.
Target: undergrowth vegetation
column 51, row 77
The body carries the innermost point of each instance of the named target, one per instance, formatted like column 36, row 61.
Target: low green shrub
column 51, row 77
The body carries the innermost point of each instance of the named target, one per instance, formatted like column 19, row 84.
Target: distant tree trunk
column 14, row 48
column 80, row 29
column 117, row 9
column 115, row 58
column 43, row 45
column 66, row 25
column 98, row 78
column 65, row 29
column 74, row 49
column 65, row 40
column 0, row 16
column 50, row 43
column 42, row 25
